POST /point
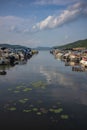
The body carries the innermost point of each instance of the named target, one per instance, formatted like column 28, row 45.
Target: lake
column 43, row 93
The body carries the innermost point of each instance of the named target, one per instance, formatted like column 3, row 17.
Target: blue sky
column 42, row 22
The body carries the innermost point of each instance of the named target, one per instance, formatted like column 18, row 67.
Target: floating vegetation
column 35, row 109
column 23, row 100
column 39, row 84
column 43, row 87
column 12, row 108
column 16, row 91
column 23, row 87
column 27, row 89
column 35, row 105
column 27, row 110
column 56, row 110
column 64, row 116
column 9, row 89
column 18, row 87
column 39, row 113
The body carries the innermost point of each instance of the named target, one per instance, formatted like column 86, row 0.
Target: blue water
column 43, row 93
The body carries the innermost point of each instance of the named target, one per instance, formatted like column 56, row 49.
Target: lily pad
column 64, row 117
column 28, row 110
column 16, row 91
column 56, row 110
column 38, row 84
column 26, row 99
column 27, row 89
column 18, row 87
column 39, row 113
column 23, row 100
column 12, row 108
column 35, row 109
column 43, row 87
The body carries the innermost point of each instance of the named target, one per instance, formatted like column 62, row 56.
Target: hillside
column 43, row 48
column 12, row 46
column 79, row 43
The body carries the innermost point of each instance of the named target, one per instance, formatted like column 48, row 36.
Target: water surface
column 43, row 93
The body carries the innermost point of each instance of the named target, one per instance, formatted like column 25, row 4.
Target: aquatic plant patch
column 64, row 116
column 12, row 108
column 23, row 100
column 39, row 84
column 27, row 89
column 27, row 110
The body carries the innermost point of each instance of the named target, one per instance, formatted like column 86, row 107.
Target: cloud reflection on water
column 69, row 88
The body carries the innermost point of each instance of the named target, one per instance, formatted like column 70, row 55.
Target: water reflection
column 69, row 87
column 45, row 89
column 4, row 68
column 55, row 77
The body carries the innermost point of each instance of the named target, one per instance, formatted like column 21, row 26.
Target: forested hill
column 79, row 43
column 12, row 46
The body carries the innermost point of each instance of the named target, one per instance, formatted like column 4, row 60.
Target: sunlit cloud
column 72, row 13
column 21, row 25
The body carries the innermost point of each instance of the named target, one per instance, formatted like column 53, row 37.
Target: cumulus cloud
column 70, row 14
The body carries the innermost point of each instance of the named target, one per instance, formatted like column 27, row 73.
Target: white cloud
column 53, row 2
column 72, row 13
column 16, row 24
column 10, row 20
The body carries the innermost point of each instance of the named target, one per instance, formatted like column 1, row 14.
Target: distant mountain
column 42, row 48
column 79, row 43
column 12, row 46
